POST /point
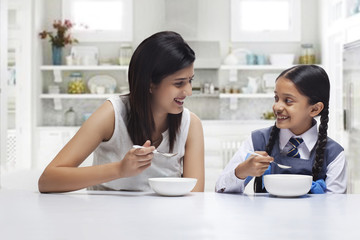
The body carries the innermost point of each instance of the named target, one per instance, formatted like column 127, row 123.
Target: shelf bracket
column 233, row 103
column 57, row 104
column 233, row 75
column 57, row 76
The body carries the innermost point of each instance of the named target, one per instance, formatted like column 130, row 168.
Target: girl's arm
column 232, row 179
column 228, row 181
column 336, row 175
column 63, row 173
column 194, row 153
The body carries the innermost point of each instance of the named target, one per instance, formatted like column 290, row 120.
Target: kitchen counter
column 137, row 215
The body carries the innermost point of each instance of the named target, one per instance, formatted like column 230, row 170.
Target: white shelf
column 255, row 67
column 215, row 95
column 258, row 67
column 78, row 96
column 243, row 95
column 102, row 96
column 58, row 128
column 101, row 67
column 79, row 67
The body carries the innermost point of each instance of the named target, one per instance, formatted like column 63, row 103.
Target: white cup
column 69, row 60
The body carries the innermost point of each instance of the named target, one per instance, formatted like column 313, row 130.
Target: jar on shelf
column 307, row 55
column 70, row 117
column 76, row 84
column 125, row 54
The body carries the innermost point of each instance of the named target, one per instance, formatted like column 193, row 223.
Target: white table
column 134, row 215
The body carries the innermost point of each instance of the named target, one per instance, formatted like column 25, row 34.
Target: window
column 265, row 20
column 105, row 20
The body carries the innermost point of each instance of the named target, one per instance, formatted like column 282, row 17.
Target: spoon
column 280, row 165
column 156, row 151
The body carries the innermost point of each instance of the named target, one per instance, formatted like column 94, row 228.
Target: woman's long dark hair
column 157, row 57
column 313, row 82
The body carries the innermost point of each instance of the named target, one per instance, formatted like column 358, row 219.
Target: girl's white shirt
column 120, row 143
column 336, row 178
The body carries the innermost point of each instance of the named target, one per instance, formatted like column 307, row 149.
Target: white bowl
column 287, row 185
column 282, row 59
column 169, row 186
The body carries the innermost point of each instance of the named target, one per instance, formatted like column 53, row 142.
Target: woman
column 152, row 115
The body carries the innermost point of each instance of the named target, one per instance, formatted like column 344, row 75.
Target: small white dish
column 287, row 185
column 103, row 81
column 172, row 186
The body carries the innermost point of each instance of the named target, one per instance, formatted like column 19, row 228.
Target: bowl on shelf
column 172, row 186
column 282, row 59
column 287, row 185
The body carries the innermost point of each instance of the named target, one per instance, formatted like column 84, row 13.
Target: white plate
column 170, row 186
column 102, row 82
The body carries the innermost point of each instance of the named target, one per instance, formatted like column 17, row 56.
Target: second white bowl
column 287, row 185
column 169, row 186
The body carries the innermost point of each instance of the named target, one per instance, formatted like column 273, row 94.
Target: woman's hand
column 254, row 165
column 137, row 160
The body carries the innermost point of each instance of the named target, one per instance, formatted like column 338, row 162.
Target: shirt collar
column 309, row 137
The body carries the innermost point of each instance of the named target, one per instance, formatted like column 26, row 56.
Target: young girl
column 151, row 115
column 301, row 93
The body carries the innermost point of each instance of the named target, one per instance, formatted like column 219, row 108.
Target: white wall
column 212, row 23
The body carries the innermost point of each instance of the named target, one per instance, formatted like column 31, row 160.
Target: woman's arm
column 63, row 173
column 194, row 153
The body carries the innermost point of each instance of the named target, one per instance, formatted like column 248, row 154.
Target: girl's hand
column 137, row 160
column 254, row 166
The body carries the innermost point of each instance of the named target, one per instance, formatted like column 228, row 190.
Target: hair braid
column 321, row 143
column 273, row 136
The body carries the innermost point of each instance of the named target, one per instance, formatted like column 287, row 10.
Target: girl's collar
column 309, row 137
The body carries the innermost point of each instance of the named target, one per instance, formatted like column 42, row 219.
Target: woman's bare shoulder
column 102, row 121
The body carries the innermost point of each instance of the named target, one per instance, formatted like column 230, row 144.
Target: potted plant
column 60, row 39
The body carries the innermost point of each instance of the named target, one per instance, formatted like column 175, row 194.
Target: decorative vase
column 56, row 55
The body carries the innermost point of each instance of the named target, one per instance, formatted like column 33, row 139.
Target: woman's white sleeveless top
column 120, row 143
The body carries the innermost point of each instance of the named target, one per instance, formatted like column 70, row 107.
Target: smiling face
column 292, row 109
column 170, row 94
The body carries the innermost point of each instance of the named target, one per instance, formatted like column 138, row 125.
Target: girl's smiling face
column 292, row 109
column 170, row 94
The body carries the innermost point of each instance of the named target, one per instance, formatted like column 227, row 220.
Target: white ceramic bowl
column 287, row 185
column 169, row 186
column 282, row 59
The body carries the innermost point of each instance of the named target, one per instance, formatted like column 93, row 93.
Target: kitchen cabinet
column 50, row 141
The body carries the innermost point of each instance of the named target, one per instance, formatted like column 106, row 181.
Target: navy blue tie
column 293, row 152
